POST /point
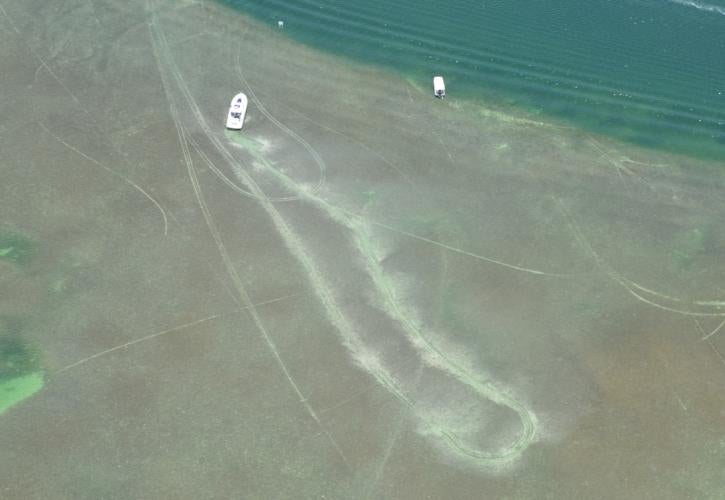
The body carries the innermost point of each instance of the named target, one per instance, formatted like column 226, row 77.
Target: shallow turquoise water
column 651, row 72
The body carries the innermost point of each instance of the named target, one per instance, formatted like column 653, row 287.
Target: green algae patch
column 21, row 375
column 15, row 390
column 15, row 248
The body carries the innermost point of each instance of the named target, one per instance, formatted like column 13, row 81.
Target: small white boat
column 237, row 112
column 439, row 86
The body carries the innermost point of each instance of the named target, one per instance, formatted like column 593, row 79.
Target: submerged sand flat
column 367, row 293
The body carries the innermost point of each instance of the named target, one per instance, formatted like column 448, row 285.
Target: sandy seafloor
column 367, row 293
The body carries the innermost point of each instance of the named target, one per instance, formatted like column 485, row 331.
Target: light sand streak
column 630, row 285
column 161, row 333
column 368, row 359
column 113, row 172
column 163, row 55
column 429, row 353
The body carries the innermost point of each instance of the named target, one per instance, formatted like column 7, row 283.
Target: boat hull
column 237, row 112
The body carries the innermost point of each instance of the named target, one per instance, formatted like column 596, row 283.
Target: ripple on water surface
column 646, row 71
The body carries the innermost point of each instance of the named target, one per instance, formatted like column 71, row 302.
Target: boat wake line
column 700, row 6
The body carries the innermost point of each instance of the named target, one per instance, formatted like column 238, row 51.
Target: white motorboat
column 237, row 112
column 439, row 86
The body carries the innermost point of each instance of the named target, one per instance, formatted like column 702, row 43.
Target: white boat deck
column 237, row 112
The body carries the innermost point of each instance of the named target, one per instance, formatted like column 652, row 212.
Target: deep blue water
column 650, row 72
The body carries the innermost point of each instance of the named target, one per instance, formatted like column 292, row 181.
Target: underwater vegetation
column 15, row 390
column 17, row 358
column 15, row 247
column 21, row 373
